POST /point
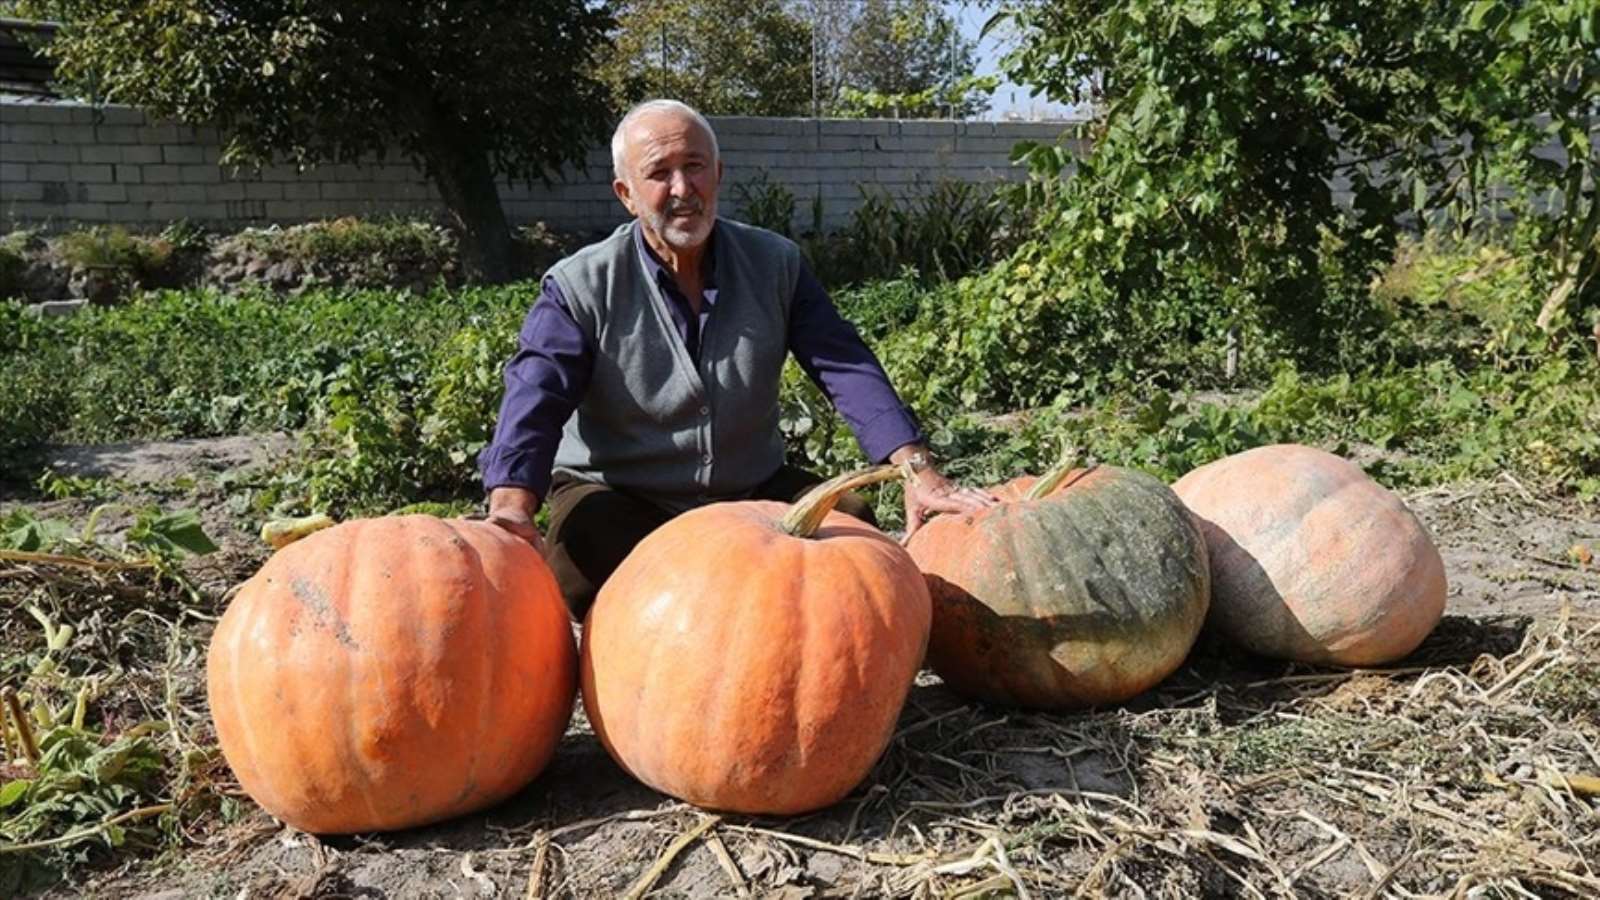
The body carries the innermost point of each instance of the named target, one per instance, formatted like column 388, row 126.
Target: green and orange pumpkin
column 754, row 657
column 392, row 672
column 1312, row 560
column 1084, row 588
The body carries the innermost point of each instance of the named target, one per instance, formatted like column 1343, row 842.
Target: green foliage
column 112, row 247
column 465, row 89
column 944, row 232
column 12, row 264
column 723, row 57
column 765, row 203
column 351, row 251
column 1221, row 129
column 312, row 81
column 908, row 60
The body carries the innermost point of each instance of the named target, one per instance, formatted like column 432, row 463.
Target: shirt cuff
column 887, row 432
column 506, row 467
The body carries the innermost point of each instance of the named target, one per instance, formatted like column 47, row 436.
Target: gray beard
column 676, row 237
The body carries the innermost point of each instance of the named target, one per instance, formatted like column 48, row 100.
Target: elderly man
column 646, row 382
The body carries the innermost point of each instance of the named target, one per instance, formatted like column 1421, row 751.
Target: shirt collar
column 657, row 270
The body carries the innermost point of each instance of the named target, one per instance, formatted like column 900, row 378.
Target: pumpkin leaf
column 171, row 533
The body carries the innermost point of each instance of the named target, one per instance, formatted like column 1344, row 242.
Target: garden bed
column 1468, row 764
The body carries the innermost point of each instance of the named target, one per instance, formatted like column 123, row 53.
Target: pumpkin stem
column 1053, row 478
column 280, row 533
column 806, row 515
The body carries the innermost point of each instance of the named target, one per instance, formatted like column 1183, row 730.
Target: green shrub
column 12, row 264
column 112, row 247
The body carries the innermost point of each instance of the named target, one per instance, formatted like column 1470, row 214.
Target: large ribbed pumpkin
column 1312, row 560
column 392, row 672
column 754, row 657
column 1089, row 594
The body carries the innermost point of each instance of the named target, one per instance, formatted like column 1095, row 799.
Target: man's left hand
column 929, row 492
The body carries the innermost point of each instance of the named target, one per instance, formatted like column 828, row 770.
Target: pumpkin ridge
column 493, row 625
column 356, row 678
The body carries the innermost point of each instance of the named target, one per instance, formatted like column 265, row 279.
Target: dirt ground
column 1458, row 772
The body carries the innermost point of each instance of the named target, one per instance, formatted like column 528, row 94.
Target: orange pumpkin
column 1312, row 560
column 754, row 657
column 392, row 672
column 1085, row 588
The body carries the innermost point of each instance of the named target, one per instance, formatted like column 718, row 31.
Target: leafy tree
column 467, row 89
column 727, row 57
column 1223, row 128
column 907, row 58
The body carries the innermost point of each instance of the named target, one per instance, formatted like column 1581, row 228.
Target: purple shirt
column 548, row 375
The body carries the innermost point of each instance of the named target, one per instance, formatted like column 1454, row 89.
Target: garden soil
column 1450, row 772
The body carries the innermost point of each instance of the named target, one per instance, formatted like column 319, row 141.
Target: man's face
column 671, row 178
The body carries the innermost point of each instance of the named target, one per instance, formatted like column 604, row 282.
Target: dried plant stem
column 28, row 557
column 71, row 837
column 29, row 747
column 648, row 879
column 541, row 845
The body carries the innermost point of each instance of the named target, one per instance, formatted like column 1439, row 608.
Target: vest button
column 706, row 459
column 705, row 410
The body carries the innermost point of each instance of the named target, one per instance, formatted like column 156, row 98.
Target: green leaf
column 1521, row 27
column 1479, row 12
column 12, row 791
column 172, row 533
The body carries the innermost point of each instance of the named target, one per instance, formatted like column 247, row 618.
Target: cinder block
column 140, row 154
column 828, row 142
column 124, row 174
column 116, row 134
column 106, row 193
column 163, row 174
column 20, row 153
column 73, row 134
column 263, row 190
column 84, row 212
column 163, row 134
column 286, row 210
column 12, row 172
column 122, row 115
column 30, row 133
column 227, row 191
column 60, row 153
column 28, row 211
column 48, row 172
column 36, row 113
column 203, row 173
column 303, row 190
column 128, row 213
column 186, row 193
column 148, row 193
column 182, row 154
column 82, row 114
column 280, row 173
column 19, row 191
column 100, row 154
column 246, row 210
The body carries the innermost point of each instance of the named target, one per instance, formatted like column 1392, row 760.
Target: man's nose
column 682, row 184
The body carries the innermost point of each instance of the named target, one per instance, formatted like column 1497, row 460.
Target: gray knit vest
column 653, row 422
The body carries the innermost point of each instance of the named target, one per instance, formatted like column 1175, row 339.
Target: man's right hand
column 512, row 508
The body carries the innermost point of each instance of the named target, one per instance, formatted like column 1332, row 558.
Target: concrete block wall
column 68, row 163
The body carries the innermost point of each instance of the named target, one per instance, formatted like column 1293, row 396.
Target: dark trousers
column 593, row 527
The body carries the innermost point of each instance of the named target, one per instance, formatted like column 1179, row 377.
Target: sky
column 1009, row 99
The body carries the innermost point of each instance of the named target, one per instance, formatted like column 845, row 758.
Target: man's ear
column 620, row 188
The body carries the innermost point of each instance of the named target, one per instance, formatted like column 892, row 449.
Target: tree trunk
column 466, row 182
